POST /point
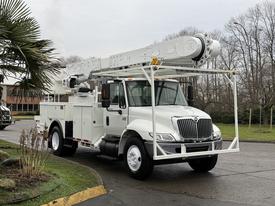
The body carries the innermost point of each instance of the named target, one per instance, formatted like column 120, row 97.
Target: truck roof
column 144, row 79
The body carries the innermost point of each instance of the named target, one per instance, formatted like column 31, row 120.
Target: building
column 28, row 103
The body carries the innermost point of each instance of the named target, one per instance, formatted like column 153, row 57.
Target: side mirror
column 72, row 82
column 190, row 95
column 105, row 95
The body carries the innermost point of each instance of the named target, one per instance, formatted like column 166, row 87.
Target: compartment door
column 86, row 123
column 77, row 121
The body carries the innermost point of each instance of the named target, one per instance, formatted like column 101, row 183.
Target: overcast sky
column 104, row 27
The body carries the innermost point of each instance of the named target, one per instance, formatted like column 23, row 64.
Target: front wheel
column 204, row 164
column 2, row 127
column 136, row 159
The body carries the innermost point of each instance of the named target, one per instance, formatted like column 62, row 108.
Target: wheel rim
column 134, row 158
column 55, row 141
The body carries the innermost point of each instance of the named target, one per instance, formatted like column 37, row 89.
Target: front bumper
column 175, row 147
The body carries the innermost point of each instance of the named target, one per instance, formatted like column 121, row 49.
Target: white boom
column 188, row 51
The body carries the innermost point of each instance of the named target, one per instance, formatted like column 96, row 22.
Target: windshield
column 166, row 93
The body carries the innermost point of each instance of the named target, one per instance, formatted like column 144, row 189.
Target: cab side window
column 114, row 93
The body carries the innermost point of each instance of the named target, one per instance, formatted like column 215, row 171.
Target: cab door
column 116, row 115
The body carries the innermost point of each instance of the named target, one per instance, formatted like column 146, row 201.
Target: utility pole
column 260, row 115
column 271, row 117
column 250, row 116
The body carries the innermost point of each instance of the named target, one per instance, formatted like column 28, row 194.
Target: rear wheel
column 57, row 141
column 204, row 164
column 2, row 127
column 136, row 159
column 59, row 145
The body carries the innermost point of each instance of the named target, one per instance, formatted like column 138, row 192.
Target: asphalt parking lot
column 245, row 178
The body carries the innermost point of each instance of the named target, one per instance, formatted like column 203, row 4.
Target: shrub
column 3, row 155
column 33, row 152
column 7, row 184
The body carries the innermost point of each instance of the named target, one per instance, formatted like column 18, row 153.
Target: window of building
column 30, row 107
column 25, row 107
column 20, row 107
column 35, row 106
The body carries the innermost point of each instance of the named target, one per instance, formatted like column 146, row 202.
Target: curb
column 78, row 197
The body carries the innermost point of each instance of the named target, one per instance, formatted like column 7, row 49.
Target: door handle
column 114, row 110
column 107, row 120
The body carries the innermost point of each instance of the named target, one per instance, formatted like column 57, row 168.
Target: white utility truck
column 141, row 113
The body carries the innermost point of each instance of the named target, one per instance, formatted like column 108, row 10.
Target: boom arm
column 187, row 51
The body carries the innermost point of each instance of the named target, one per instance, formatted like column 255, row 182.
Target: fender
column 56, row 122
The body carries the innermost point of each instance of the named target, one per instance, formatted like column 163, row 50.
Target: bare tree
column 252, row 36
column 248, row 45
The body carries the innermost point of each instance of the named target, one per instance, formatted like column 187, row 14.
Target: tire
column 2, row 127
column 56, row 141
column 203, row 164
column 136, row 159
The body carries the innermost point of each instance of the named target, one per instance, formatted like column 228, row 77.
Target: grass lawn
column 21, row 117
column 255, row 133
column 68, row 177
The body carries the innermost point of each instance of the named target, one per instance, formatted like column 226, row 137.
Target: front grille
column 204, row 128
column 187, row 128
column 191, row 129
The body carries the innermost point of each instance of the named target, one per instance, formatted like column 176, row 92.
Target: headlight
column 163, row 137
column 216, row 132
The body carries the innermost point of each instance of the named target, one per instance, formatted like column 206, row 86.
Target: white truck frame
column 163, row 72
column 139, row 141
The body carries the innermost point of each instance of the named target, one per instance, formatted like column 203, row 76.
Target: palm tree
column 22, row 52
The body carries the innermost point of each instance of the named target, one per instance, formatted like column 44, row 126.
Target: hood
column 164, row 114
column 140, row 118
column 168, row 112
